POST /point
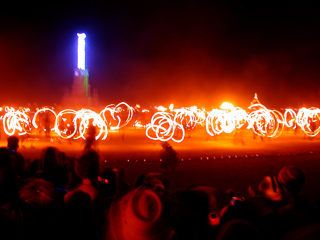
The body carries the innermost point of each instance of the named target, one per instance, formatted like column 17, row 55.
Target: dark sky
column 158, row 52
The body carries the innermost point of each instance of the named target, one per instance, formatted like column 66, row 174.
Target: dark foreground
column 203, row 160
column 67, row 202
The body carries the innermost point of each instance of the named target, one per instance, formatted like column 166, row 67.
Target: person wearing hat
column 138, row 215
column 284, row 188
column 17, row 160
column 276, row 206
column 292, row 179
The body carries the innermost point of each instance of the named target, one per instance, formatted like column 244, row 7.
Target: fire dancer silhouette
column 91, row 137
column 168, row 156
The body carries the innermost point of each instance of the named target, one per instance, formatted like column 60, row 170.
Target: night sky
column 158, row 52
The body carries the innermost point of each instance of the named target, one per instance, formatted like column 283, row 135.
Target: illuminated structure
column 255, row 100
column 80, row 94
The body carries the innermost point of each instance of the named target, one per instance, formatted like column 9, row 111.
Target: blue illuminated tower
column 80, row 93
column 81, row 88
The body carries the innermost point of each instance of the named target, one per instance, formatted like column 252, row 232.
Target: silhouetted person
column 168, row 156
column 8, row 183
column 87, row 168
column 276, row 205
column 52, row 167
column 40, row 210
column 123, row 186
column 17, row 160
column 313, row 128
column 238, row 137
column 90, row 137
column 70, row 130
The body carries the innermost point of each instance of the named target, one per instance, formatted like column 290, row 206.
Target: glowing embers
column 16, row 121
column 163, row 127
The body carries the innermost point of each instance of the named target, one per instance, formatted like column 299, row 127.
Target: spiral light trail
column 165, row 123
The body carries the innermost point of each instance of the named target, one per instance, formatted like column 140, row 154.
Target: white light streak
column 81, row 51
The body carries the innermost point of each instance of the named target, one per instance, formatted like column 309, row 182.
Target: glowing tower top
column 80, row 93
column 81, row 51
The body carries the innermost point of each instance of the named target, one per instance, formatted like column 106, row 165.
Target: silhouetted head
column 13, row 143
column 51, row 158
column 292, row 178
column 138, row 215
column 7, row 177
column 87, row 166
column 40, row 208
column 165, row 145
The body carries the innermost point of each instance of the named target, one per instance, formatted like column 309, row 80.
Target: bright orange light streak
column 116, row 110
column 84, row 116
column 189, row 117
column 34, row 123
column 290, row 118
column 308, row 120
column 226, row 120
column 265, row 122
column 15, row 120
column 166, row 124
column 61, row 117
column 161, row 108
column 165, row 128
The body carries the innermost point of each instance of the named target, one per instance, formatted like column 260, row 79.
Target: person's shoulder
column 71, row 195
column 16, row 156
column 19, row 155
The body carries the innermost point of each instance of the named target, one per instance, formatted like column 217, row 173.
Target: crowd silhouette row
column 59, row 197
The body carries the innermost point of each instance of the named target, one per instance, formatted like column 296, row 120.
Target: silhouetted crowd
column 58, row 197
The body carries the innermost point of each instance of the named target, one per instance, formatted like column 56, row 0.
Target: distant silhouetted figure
column 91, row 137
column 168, row 156
column 238, row 137
column 47, row 125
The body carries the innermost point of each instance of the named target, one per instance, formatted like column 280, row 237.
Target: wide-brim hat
column 273, row 190
column 138, row 216
column 292, row 178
